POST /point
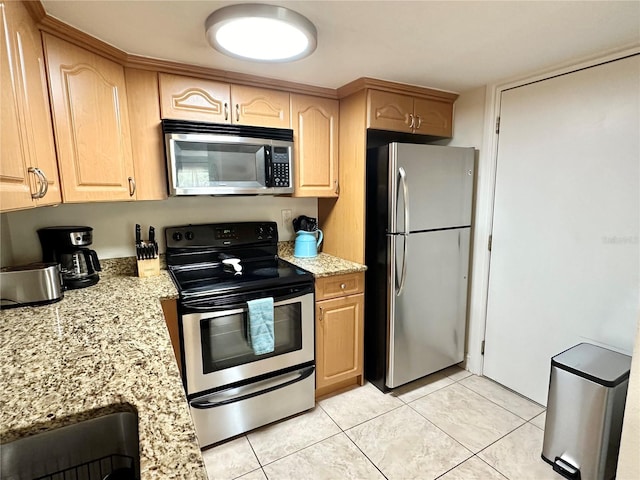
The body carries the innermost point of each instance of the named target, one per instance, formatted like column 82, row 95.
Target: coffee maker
column 67, row 246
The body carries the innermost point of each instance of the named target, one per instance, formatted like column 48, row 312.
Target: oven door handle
column 204, row 305
column 245, row 392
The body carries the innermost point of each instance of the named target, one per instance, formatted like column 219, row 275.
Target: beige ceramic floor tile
column 420, row 388
column 539, row 420
column 513, row 402
column 468, row 417
column 230, row 460
column 255, row 475
column 335, row 458
column 517, row 456
column 280, row 439
column 455, row 373
column 403, row 445
column 358, row 405
column 473, row 469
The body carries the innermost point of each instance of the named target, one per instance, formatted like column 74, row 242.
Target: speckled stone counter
column 324, row 265
column 102, row 349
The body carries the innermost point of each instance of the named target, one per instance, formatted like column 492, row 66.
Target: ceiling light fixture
column 260, row 32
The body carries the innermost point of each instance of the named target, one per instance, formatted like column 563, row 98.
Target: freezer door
column 438, row 182
column 427, row 317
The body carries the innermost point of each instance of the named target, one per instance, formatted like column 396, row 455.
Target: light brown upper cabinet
column 91, row 124
column 187, row 98
column 28, row 171
column 405, row 113
column 261, row 107
column 146, row 134
column 315, row 136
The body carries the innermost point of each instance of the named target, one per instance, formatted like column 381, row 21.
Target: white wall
column 113, row 223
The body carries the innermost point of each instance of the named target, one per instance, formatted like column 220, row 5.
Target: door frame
column 485, row 193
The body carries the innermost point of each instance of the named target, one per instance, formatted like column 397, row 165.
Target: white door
column 564, row 261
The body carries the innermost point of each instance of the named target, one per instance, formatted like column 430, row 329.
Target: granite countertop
column 101, row 349
column 324, row 265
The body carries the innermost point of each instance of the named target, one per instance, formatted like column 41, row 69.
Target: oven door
column 217, row 349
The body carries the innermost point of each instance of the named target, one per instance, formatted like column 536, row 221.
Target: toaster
column 28, row 285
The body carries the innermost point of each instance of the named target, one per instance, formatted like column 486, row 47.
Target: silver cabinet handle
column 321, row 313
column 226, row 111
column 413, row 120
column 419, row 122
column 405, row 193
column 132, row 187
column 43, row 184
column 337, row 187
column 237, row 112
column 343, row 286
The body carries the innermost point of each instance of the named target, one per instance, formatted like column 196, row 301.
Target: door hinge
column 498, row 125
column 490, row 242
column 482, row 348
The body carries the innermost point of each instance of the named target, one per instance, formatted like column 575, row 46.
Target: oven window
column 225, row 341
column 209, row 165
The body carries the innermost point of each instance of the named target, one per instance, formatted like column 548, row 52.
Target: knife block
column 149, row 267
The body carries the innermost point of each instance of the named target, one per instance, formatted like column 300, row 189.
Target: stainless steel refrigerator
column 418, row 223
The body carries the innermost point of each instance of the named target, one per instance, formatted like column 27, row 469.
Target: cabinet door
column 315, row 137
column 260, row 107
column 91, row 124
column 389, row 111
column 146, row 134
column 339, row 338
column 187, row 98
column 29, row 58
column 14, row 183
column 433, row 117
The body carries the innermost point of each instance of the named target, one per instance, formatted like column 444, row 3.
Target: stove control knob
column 271, row 231
column 188, row 236
column 177, row 236
column 260, row 232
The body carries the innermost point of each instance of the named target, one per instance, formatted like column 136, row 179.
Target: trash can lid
column 594, row 363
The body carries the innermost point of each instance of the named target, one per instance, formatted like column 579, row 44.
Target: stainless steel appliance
column 29, row 285
column 417, row 252
column 219, row 269
column 215, row 159
column 66, row 245
column 585, row 408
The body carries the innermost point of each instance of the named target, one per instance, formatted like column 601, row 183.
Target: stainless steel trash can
column 585, row 407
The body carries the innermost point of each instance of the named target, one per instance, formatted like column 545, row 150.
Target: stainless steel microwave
column 218, row 159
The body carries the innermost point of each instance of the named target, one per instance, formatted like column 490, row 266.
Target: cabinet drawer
column 339, row 285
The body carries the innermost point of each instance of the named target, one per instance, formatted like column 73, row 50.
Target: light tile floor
column 450, row 425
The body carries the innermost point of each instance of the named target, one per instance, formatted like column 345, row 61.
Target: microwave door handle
column 268, row 163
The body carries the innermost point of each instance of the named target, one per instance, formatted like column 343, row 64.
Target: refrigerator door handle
column 402, row 177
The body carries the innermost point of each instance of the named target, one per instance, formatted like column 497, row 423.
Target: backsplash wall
column 114, row 223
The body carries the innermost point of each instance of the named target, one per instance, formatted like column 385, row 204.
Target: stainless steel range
column 246, row 321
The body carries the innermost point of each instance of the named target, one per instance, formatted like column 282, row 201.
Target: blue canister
column 307, row 243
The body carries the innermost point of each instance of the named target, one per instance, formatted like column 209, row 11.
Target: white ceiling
column 450, row 45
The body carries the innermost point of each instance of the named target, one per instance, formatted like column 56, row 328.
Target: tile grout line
column 504, row 408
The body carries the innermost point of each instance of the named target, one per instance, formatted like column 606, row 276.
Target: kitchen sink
column 101, row 448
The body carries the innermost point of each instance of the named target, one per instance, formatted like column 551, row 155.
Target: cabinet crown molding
column 364, row 83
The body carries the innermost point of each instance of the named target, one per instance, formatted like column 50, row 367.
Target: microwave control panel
column 281, row 173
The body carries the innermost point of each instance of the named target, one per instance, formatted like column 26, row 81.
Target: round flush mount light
column 260, row 32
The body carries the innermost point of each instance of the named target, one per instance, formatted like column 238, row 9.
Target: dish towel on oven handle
column 262, row 339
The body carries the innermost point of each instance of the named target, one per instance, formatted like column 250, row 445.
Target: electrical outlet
column 286, row 220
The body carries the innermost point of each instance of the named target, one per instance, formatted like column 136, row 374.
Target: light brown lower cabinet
column 339, row 332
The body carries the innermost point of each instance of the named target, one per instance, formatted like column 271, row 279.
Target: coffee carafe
column 66, row 245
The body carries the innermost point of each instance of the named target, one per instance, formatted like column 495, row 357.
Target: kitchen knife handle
column 138, row 235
